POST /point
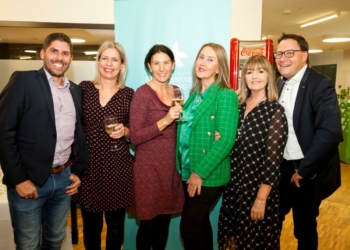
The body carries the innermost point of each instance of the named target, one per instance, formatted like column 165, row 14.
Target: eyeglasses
column 287, row 53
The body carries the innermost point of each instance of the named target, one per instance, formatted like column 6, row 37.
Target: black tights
column 92, row 228
column 153, row 233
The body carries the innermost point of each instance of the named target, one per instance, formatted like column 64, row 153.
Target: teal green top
column 218, row 111
column 188, row 114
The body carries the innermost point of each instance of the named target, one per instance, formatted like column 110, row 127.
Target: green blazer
column 209, row 159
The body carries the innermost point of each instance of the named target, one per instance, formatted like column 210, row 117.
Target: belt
column 60, row 168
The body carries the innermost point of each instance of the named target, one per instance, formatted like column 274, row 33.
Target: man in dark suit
column 42, row 146
column 310, row 171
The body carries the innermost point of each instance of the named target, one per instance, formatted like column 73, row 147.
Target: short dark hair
column 304, row 46
column 57, row 37
column 156, row 49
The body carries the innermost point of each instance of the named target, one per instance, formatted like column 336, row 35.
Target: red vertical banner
column 240, row 51
column 234, row 63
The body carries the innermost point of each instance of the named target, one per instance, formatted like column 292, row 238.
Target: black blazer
column 317, row 124
column 28, row 131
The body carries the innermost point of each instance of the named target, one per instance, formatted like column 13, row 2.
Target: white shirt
column 292, row 151
column 65, row 119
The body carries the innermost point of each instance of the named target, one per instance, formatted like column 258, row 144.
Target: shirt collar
column 50, row 79
column 297, row 78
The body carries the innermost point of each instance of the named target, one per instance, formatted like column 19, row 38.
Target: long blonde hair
column 222, row 78
column 122, row 73
column 256, row 62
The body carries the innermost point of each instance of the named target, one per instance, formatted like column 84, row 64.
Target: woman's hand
column 119, row 131
column 194, row 184
column 258, row 210
column 173, row 114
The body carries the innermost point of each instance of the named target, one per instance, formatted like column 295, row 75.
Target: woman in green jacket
column 203, row 162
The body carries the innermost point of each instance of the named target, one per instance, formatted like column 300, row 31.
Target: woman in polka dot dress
column 106, row 188
column 250, row 204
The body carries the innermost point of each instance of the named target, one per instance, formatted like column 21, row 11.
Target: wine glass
column 178, row 99
column 110, row 122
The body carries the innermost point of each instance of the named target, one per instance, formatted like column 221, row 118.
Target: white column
column 246, row 19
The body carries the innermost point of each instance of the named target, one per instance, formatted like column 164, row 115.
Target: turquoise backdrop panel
column 184, row 26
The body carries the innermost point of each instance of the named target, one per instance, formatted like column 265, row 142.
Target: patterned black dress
column 255, row 159
column 107, row 184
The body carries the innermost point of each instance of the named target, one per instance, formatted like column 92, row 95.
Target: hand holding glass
column 178, row 99
column 110, row 123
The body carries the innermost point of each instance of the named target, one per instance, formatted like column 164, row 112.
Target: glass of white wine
column 110, row 123
column 178, row 99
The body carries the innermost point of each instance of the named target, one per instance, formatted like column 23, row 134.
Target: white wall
column 58, row 11
column 242, row 27
column 78, row 70
column 333, row 57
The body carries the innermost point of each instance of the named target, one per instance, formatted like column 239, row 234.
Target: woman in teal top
column 203, row 162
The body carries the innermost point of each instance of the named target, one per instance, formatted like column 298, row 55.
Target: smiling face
column 256, row 79
column 161, row 67
column 110, row 64
column 207, row 65
column 289, row 67
column 57, row 58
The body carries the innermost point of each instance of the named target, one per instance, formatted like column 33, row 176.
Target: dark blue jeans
column 195, row 227
column 42, row 219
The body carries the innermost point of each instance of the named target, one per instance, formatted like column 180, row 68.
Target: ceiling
column 273, row 24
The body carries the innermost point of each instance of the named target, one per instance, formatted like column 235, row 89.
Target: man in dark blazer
column 42, row 146
column 310, row 171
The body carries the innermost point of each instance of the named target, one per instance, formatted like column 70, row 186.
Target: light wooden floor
column 333, row 221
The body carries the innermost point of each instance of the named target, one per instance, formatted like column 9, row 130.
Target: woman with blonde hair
column 250, row 204
column 106, row 188
column 203, row 162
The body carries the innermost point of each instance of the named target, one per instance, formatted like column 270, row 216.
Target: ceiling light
column 77, row 40
column 321, row 19
column 25, row 57
column 335, row 39
column 287, row 12
column 315, row 50
column 90, row 53
column 30, row 51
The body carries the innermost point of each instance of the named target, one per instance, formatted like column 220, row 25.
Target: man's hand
column 296, row 178
column 27, row 190
column 73, row 188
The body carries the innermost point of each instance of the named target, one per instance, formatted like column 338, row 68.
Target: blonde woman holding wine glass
column 157, row 192
column 106, row 189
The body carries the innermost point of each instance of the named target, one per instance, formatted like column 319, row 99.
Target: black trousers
column 93, row 224
column 303, row 204
column 195, row 227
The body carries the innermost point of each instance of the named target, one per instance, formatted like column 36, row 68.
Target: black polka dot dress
column 107, row 184
column 255, row 159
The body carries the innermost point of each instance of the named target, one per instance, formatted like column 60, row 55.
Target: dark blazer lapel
column 206, row 104
column 47, row 92
column 75, row 99
column 300, row 98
